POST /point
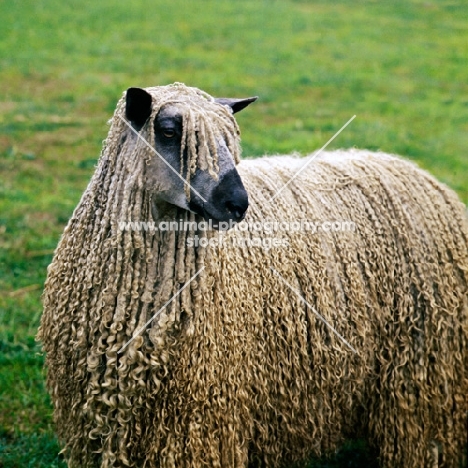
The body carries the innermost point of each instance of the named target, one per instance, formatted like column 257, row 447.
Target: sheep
column 201, row 347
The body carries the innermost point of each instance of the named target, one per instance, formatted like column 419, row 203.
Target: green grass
column 400, row 66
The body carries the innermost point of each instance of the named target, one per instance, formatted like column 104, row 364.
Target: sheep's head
column 197, row 143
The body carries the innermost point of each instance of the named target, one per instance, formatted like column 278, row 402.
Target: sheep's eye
column 168, row 133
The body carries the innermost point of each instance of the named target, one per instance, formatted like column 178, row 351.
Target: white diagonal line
column 156, row 152
column 312, row 158
column 313, row 310
column 160, row 310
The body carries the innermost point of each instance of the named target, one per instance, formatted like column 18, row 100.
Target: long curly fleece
column 238, row 370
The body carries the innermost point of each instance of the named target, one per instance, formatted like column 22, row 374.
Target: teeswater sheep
column 198, row 348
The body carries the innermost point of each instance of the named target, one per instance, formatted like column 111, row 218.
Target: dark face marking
column 229, row 200
column 225, row 199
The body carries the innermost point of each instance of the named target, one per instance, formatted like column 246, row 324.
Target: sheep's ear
column 236, row 104
column 137, row 106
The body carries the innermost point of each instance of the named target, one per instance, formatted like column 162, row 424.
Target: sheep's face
column 221, row 199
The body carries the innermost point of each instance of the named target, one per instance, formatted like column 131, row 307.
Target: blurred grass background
column 400, row 66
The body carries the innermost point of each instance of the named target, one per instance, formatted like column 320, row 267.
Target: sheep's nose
column 238, row 206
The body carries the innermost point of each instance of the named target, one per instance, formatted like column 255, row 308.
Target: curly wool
column 238, row 369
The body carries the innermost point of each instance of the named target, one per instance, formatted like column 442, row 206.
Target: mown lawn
column 400, row 66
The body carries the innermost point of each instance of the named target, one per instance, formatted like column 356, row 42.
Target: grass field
column 400, row 66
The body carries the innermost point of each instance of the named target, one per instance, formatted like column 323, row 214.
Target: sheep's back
column 394, row 289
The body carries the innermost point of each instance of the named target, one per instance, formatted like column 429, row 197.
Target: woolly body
column 237, row 369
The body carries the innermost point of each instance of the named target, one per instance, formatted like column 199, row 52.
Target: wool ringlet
column 238, row 370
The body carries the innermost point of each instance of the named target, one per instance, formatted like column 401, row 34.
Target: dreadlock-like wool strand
column 239, row 368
